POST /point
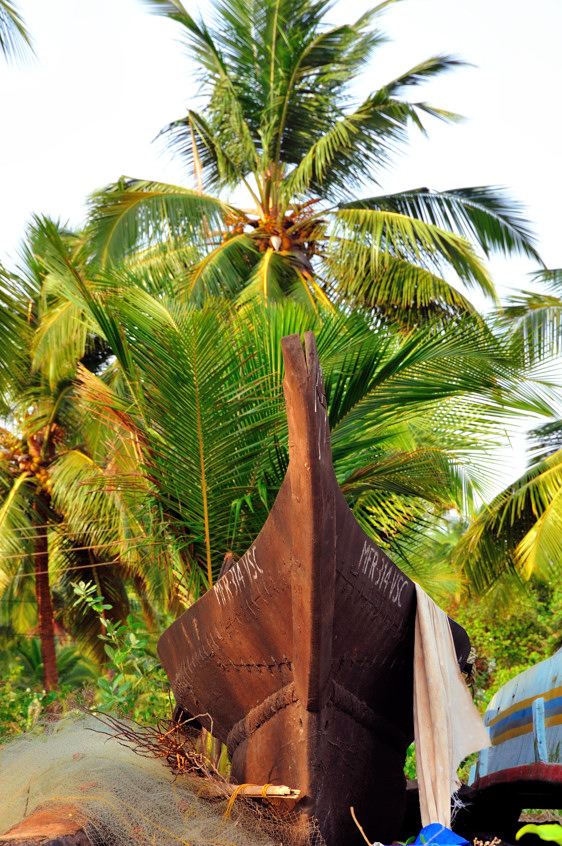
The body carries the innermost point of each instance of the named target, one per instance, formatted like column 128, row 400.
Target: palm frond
column 420, row 73
column 277, row 276
column 227, row 101
column 483, row 215
column 16, row 521
column 389, row 286
column 466, row 372
column 426, row 556
column 15, row 42
column 197, row 390
column 218, row 155
column 540, row 551
column 545, row 440
column 224, row 271
column 423, row 473
column 266, row 323
column 354, row 148
column 160, row 269
column 60, row 341
column 134, row 215
column 17, row 321
column 534, row 320
column 389, row 517
column 423, row 244
column 308, row 73
column 18, row 608
column 550, row 277
column 93, row 509
column 519, row 531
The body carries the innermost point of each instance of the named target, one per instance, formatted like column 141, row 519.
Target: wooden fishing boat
column 300, row 658
column 523, row 767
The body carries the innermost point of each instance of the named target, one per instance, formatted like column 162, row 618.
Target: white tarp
column 446, row 723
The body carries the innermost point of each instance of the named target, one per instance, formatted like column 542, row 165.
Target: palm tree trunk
column 45, row 608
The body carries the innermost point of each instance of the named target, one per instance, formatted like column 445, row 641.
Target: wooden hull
column 300, row 658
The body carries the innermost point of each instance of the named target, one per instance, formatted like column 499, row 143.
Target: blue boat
column 523, row 766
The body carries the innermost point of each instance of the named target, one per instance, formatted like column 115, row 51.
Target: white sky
column 109, row 75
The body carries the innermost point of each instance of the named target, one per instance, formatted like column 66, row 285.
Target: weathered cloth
column 447, row 725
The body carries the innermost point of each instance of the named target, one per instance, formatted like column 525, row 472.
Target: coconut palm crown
column 279, row 121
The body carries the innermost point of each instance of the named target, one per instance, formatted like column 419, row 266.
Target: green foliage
column 203, row 394
column 131, row 682
column 410, row 765
column 507, row 642
column 23, row 699
column 135, row 684
column 75, row 669
column 518, row 534
column 15, row 42
column 141, row 359
column 404, row 410
column 23, row 707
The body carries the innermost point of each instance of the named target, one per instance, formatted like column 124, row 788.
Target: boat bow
column 300, row 658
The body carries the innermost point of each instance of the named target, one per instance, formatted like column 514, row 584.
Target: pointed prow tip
column 303, row 386
column 300, row 363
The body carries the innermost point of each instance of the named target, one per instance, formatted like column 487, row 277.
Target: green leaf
column 519, row 531
column 15, row 42
column 552, row 832
column 389, row 234
column 134, row 215
column 484, row 215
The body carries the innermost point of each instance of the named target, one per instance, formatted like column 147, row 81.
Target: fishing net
column 119, row 797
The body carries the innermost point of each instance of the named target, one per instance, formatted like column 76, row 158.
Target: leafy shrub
column 509, row 641
column 74, row 668
column 135, row 683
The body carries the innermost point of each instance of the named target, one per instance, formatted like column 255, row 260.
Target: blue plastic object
column 437, row 833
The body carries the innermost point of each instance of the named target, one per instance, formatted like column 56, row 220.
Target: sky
column 109, row 75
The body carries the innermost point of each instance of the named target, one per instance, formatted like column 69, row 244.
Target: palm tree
column 280, row 125
column 409, row 411
column 518, row 535
column 24, row 481
column 14, row 38
column 60, row 516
